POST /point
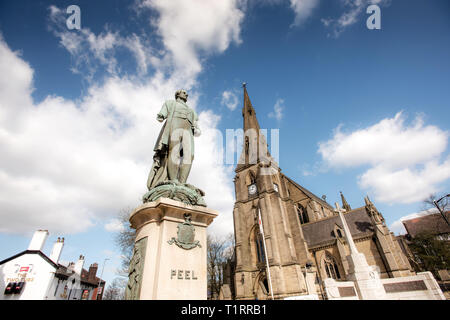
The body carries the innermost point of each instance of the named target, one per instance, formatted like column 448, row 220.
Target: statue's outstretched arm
column 162, row 115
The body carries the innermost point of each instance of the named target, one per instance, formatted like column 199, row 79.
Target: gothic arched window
column 331, row 267
column 259, row 246
column 302, row 214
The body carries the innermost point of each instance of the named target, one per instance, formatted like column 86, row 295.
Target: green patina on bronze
column 135, row 271
column 174, row 153
column 175, row 190
column 186, row 235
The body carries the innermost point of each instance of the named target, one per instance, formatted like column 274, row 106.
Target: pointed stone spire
column 367, row 201
column 248, row 113
column 345, row 204
column 255, row 148
column 373, row 212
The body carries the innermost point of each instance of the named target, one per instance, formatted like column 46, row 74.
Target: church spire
column 373, row 212
column 255, row 148
column 345, row 204
column 248, row 113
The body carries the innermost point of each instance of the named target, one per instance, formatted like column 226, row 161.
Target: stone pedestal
column 366, row 278
column 310, row 279
column 169, row 259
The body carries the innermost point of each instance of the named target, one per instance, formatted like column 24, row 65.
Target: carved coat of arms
column 185, row 235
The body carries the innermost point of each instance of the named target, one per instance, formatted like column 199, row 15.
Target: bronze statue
column 174, row 149
column 174, row 153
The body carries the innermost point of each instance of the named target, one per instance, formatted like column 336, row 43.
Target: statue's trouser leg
column 179, row 167
column 174, row 158
column 186, row 164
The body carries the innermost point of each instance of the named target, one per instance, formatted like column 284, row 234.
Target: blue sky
column 358, row 110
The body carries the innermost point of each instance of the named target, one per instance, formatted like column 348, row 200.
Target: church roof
column 431, row 223
column 309, row 193
column 321, row 232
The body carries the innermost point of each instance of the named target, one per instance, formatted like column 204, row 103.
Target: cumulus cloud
column 92, row 53
column 302, row 9
column 229, row 99
column 69, row 164
column 192, row 29
column 278, row 109
column 115, row 225
column 405, row 185
column 404, row 160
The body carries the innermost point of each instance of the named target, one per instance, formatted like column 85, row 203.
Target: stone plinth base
column 170, row 251
column 366, row 278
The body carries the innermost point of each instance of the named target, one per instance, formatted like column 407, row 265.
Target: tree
column 444, row 204
column 439, row 203
column 219, row 251
column 124, row 240
column 115, row 290
column 431, row 254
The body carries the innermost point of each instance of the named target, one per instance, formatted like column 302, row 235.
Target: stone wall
column 423, row 286
column 340, row 290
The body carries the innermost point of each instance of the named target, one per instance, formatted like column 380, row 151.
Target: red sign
column 24, row 269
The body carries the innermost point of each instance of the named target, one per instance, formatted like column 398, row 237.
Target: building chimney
column 56, row 251
column 79, row 265
column 92, row 272
column 38, row 240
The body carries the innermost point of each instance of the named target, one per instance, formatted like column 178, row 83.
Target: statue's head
column 182, row 94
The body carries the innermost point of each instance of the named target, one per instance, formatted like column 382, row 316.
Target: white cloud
column 303, row 10
column 92, row 53
column 190, row 29
column 405, row 185
column 403, row 160
column 115, row 225
column 278, row 109
column 229, row 99
column 67, row 165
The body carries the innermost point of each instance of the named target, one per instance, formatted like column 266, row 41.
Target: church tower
column 302, row 242
column 260, row 187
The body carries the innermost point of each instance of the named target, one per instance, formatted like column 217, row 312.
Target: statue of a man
column 174, row 149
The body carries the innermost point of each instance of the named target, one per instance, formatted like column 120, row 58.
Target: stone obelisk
column 366, row 278
column 169, row 257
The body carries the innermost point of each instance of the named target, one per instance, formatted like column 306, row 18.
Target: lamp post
column 100, row 280
column 439, row 208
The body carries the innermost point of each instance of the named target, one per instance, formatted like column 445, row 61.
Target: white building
column 32, row 275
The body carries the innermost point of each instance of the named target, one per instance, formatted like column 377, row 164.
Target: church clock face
column 252, row 189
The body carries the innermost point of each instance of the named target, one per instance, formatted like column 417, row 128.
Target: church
column 303, row 239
